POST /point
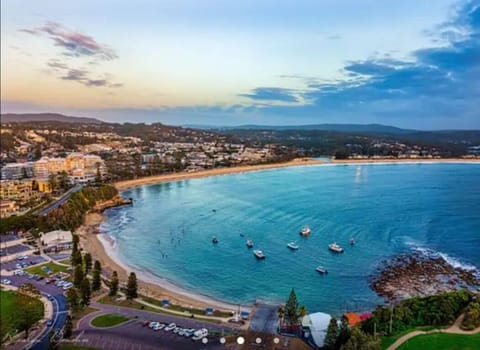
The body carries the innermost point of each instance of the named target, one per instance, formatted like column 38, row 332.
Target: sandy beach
column 103, row 249
column 123, row 185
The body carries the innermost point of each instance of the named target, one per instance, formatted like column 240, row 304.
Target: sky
column 409, row 63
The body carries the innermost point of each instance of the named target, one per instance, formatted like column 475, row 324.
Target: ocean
column 388, row 208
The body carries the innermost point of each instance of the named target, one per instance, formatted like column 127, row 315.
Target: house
column 55, row 241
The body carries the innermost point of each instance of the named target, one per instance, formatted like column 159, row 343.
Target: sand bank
column 123, row 185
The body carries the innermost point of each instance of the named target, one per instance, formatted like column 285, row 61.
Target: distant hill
column 43, row 117
column 347, row 128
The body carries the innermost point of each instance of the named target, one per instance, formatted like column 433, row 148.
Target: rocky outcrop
column 114, row 202
column 421, row 274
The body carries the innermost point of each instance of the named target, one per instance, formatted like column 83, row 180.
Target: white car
column 158, row 327
column 170, row 327
column 60, row 283
column 153, row 324
column 18, row 272
column 200, row 334
column 6, row 281
column 67, row 285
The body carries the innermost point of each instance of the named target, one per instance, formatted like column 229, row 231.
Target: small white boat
column 305, row 231
column 321, row 270
column 292, row 246
column 334, row 247
column 258, row 254
column 249, row 243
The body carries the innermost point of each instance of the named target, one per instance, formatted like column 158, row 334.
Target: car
column 39, row 278
column 48, row 280
column 60, row 283
column 67, row 285
column 19, row 272
column 152, row 324
column 170, row 327
column 51, row 298
column 159, row 327
column 6, row 281
column 181, row 332
column 49, row 323
column 30, row 276
column 145, row 323
column 176, row 330
column 189, row 332
column 200, row 334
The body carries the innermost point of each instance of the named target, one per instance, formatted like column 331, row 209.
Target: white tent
column 315, row 327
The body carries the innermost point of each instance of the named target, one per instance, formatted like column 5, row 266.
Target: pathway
column 453, row 329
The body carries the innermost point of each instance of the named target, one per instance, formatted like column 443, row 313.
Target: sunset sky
column 409, row 63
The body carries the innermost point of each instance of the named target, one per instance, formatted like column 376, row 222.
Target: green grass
column 7, row 307
column 386, row 341
column 442, row 341
column 108, row 320
column 180, row 308
column 53, row 267
column 136, row 305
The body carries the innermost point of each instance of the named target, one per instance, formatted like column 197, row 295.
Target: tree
column 344, row 332
column 114, row 284
column 97, row 272
column 76, row 257
column 63, row 181
column 98, row 176
column 73, row 300
column 77, row 276
column 360, row 341
column 27, row 312
column 87, row 262
column 332, row 335
column 85, row 291
column 68, row 329
column 342, row 153
column 291, row 309
column 132, row 286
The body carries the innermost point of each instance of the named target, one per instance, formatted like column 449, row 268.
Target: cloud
column 75, row 44
column 271, row 94
column 64, row 72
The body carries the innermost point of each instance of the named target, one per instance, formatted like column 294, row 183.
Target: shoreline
column 102, row 248
column 151, row 180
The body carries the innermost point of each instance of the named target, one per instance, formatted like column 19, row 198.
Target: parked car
column 19, row 272
column 6, row 281
column 159, row 327
column 49, row 323
column 199, row 334
column 67, row 285
column 189, row 332
column 153, row 324
column 146, row 323
column 170, row 327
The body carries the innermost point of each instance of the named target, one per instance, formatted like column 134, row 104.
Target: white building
column 15, row 171
column 315, row 327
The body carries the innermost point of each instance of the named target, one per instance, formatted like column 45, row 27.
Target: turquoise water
column 389, row 209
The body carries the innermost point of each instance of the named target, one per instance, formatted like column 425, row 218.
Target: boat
column 334, row 247
column 305, row 231
column 214, row 240
column 352, row 241
column 249, row 243
column 292, row 246
column 242, row 235
column 321, row 270
column 258, row 254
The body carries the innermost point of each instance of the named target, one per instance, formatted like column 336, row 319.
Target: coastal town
column 55, row 183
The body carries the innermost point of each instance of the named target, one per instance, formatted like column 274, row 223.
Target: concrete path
column 453, row 329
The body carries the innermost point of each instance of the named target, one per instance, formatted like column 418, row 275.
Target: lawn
column 108, row 320
column 185, row 309
column 53, row 267
column 442, row 341
column 386, row 341
column 7, row 307
column 135, row 305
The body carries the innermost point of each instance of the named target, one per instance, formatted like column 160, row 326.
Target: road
column 59, row 308
column 60, row 201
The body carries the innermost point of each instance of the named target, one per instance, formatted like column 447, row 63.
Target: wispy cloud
column 272, row 94
column 80, row 75
column 75, row 43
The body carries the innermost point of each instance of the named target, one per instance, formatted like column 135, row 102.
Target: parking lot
column 15, row 249
column 31, row 260
column 133, row 335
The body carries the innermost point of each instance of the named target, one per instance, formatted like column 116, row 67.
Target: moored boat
column 249, row 243
column 352, row 241
column 258, row 254
column 334, row 247
column 321, row 270
column 305, row 231
column 214, row 240
column 292, row 246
